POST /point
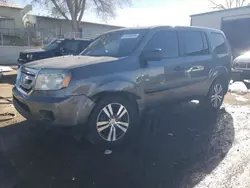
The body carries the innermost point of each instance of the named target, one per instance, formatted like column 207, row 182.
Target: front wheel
column 215, row 96
column 112, row 121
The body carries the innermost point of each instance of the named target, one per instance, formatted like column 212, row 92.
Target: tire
column 215, row 96
column 105, row 129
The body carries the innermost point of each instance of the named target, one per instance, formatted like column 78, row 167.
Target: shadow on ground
column 172, row 144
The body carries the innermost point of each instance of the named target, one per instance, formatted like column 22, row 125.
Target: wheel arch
column 119, row 88
column 221, row 73
column 128, row 95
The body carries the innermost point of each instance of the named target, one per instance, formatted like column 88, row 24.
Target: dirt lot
column 179, row 146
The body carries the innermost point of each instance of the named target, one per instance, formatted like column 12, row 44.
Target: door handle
column 178, row 68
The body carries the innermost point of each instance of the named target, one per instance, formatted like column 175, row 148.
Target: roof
column 47, row 17
column 169, row 27
column 10, row 5
column 217, row 11
column 198, row 28
column 78, row 39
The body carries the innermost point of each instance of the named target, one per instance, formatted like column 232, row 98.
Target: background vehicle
column 241, row 68
column 55, row 48
column 122, row 73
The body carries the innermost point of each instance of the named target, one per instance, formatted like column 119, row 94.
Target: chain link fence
column 33, row 38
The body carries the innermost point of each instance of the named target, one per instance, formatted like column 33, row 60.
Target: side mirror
column 153, row 55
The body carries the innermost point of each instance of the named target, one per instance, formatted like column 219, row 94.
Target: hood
column 33, row 51
column 68, row 62
column 243, row 58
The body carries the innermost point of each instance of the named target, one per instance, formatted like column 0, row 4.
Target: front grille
column 27, row 79
column 242, row 65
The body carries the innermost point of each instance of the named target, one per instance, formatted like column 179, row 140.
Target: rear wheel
column 215, row 96
column 112, row 121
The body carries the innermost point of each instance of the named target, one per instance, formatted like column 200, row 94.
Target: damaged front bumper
column 64, row 111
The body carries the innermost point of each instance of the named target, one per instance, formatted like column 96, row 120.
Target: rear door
column 83, row 44
column 70, row 47
column 197, row 63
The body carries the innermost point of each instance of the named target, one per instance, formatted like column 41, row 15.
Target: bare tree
column 227, row 4
column 73, row 10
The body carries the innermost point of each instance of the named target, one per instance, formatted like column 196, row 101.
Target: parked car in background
column 122, row 73
column 241, row 68
column 56, row 48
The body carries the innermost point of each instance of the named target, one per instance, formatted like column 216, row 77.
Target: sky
column 147, row 12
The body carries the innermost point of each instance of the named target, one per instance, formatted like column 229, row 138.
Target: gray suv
column 120, row 74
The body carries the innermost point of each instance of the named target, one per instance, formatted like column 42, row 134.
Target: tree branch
column 83, row 4
column 228, row 4
column 76, row 8
column 231, row 3
column 73, row 10
column 242, row 3
column 59, row 9
column 217, row 6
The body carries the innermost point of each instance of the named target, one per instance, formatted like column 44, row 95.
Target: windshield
column 53, row 45
column 115, row 44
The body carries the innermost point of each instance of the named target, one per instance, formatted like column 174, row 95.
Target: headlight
column 52, row 81
column 29, row 56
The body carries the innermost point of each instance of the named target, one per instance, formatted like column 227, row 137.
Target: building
column 11, row 15
column 16, row 22
column 234, row 22
column 53, row 27
column 216, row 18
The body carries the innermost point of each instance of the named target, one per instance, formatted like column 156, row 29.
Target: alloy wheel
column 217, row 95
column 112, row 122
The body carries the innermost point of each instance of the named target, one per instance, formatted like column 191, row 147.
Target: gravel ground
column 179, row 146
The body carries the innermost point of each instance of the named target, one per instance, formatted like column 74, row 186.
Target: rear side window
column 167, row 41
column 83, row 45
column 193, row 43
column 219, row 43
column 71, row 46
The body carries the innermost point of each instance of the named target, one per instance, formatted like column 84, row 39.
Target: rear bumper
column 239, row 74
column 67, row 111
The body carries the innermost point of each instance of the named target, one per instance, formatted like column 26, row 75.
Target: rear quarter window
column 219, row 43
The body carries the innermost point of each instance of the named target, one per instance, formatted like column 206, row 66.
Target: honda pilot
column 122, row 73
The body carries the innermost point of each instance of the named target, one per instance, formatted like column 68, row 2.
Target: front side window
column 193, row 43
column 219, row 43
column 167, row 41
column 115, row 44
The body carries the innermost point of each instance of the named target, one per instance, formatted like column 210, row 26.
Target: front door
column 160, row 77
